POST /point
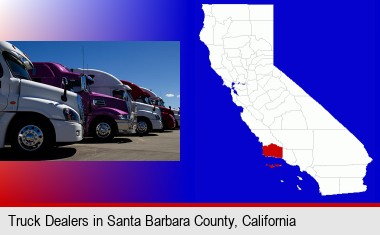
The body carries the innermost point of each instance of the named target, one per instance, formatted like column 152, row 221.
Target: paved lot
column 154, row 147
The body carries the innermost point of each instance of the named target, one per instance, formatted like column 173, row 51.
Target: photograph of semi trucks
column 45, row 105
column 105, row 116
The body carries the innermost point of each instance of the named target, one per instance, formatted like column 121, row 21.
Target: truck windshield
column 120, row 94
column 17, row 68
column 143, row 99
column 158, row 102
column 161, row 103
column 147, row 100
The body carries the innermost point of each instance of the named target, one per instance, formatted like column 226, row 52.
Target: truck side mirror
column 83, row 84
column 65, row 84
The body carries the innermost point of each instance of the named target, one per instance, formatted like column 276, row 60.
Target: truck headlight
column 70, row 115
column 124, row 117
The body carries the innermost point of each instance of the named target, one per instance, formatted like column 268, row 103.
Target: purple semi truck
column 104, row 116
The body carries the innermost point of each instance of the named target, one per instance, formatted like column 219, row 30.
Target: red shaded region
column 271, row 166
column 272, row 150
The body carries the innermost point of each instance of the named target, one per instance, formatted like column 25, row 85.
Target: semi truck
column 148, row 116
column 34, row 116
column 105, row 116
column 144, row 95
column 159, row 102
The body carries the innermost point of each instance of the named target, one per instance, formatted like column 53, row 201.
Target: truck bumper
column 156, row 124
column 126, row 126
column 67, row 131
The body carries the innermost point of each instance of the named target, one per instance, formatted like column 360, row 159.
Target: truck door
column 3, row 90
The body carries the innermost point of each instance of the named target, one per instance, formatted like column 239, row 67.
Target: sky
column 151, row 64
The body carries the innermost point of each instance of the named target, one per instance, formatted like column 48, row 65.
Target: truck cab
column 167, row 114
column 170, row 114
column 144, row 106
column 148, row 116
column 33, row 116
column 105, row 116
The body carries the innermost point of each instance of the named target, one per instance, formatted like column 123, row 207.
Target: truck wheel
column 104, row 130
column 31, row 136
column 143, row 127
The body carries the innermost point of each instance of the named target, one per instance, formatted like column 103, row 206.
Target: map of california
column 288, row 122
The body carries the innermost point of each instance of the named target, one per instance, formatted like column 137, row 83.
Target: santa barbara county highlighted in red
column 272, row 150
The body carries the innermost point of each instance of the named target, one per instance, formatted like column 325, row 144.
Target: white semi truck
column 156, row 100
column 148, row 117
column 34, row 116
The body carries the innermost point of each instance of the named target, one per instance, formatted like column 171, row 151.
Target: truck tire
column 143, row 126
column 103, row 129
column 31, row 136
